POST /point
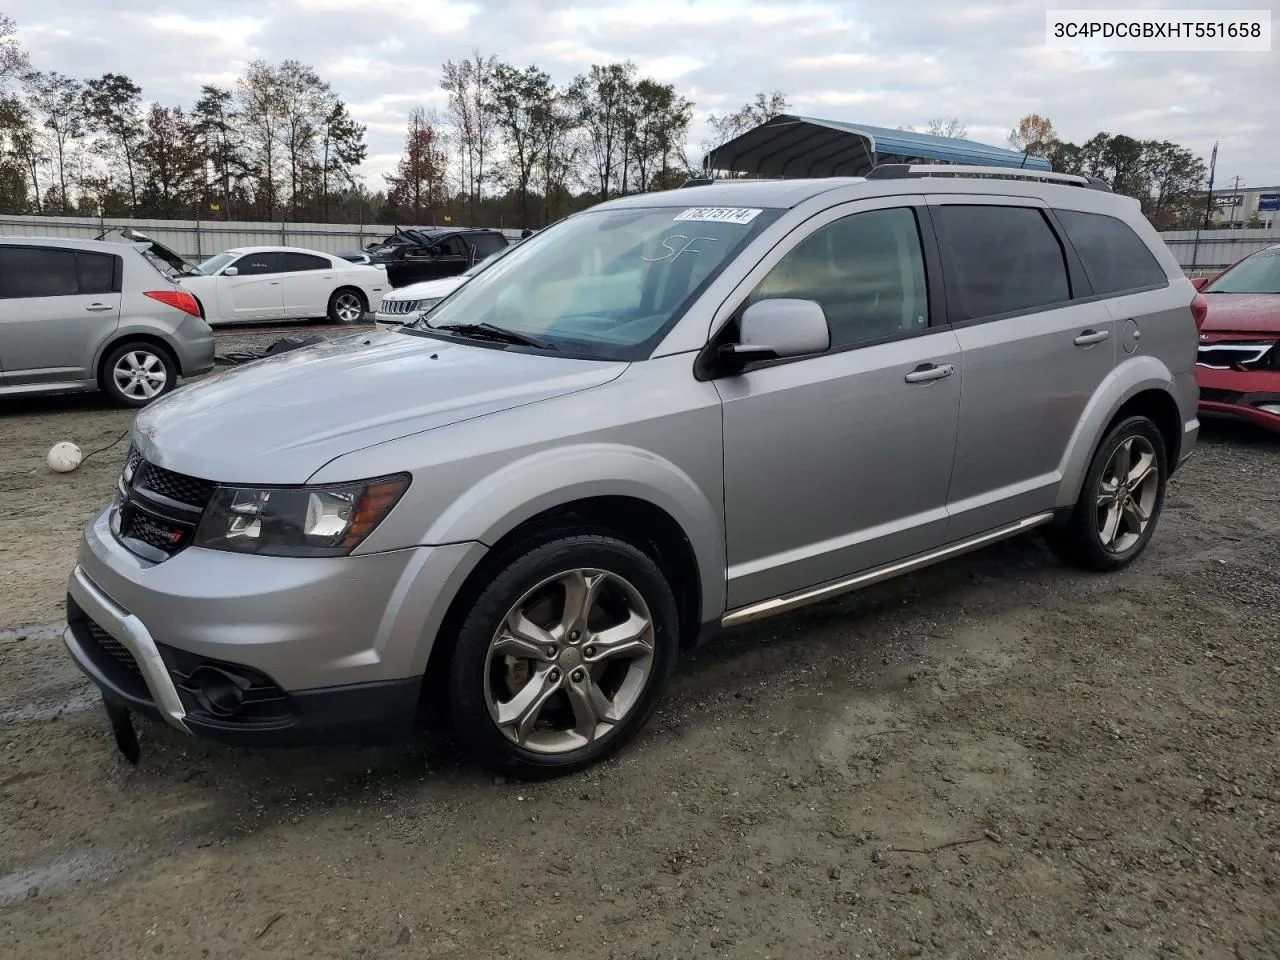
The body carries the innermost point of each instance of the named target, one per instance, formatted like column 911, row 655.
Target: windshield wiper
column 491, row 331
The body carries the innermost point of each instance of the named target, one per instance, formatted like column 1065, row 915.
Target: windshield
column 1259, row 273
column 214, row 264
column 605, row 284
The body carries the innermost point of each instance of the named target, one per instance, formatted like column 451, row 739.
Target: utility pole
column 1235, row 195
column 1208, row 203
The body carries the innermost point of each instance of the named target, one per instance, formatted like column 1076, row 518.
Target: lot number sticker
column 719, row 214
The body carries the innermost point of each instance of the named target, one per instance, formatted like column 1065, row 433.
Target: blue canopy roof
column 793, row 146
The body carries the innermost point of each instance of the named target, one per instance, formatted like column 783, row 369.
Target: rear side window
column 1002, row 259
column 1114, row 257
column 37, row 272
column 302, row 261
column 487, row 243
column 97, row 273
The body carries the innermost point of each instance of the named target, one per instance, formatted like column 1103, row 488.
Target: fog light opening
column 218, row 691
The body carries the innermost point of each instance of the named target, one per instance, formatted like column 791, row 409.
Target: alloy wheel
column 1127, row 493
column 348, row 308
column 140, row 375
column 570, row 661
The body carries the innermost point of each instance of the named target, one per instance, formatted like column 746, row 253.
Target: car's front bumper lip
column 133, row 635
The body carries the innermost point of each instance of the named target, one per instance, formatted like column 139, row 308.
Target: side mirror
column 782, row 327
column 231, row 272
column 1200, row 282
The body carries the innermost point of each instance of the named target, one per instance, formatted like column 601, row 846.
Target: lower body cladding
column 261, row 651
column 1249, row 395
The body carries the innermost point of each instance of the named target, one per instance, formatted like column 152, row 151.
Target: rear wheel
column 563, row 656
column 136, row 373
column 347, row 306
column 1120, row 501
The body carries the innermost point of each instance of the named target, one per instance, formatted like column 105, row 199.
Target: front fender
column 1125, row 382
column 497, row 504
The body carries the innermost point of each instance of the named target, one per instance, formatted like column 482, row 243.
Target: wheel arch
column 1143, row 386
column 119, row 339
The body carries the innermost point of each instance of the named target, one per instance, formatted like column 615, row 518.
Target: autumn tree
column 1034, row 136
column 470, row 86
column 419, row 183
column 112, row 110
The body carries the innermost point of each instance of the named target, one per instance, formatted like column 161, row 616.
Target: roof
column 796, row 146
column 277, row 249
column 70, row 243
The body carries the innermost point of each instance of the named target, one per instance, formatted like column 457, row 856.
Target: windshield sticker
column 677, row 245
column 720, row 214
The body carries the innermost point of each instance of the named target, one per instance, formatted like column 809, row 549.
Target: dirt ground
column 996, row 758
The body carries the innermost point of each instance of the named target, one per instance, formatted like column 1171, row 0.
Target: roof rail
column 904, row 171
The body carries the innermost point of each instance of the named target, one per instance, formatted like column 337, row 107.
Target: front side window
column 208, row 268
column 605, row 283
column 1002, row 259
column 867, row 272
column 1259, row 273
column 258, row 264
column 453, row 247
column 38, row 272
column 1114, row 257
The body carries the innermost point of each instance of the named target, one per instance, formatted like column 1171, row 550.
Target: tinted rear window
column 1002, row 259
column 302, row 261
column 1114, row 257
column 38, row 272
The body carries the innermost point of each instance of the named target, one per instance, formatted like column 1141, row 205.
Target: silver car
column 671, row 413
column 94, row 315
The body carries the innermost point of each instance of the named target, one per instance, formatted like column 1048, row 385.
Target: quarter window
column 1114, row 257
column 867, row 272
column 1002, row 259
column 96, row 273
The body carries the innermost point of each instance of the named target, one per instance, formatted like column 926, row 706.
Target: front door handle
column 1090, row 337
column 98, row 307
column 928, row 372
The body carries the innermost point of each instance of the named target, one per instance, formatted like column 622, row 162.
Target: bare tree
column 258, row 95
column 59, row 107
column 470, row 87
column 947, row 127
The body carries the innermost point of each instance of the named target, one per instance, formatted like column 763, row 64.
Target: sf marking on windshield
column 674, row 252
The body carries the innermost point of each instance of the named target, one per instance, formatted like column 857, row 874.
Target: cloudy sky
column 885, row 63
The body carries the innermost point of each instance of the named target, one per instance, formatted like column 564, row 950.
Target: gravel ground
column 998, row 757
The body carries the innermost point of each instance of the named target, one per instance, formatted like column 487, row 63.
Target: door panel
column 840, row 462
column 256, row 293
column 55, row 338
column 307, row 281
column 1032, row 358
column 836, row 464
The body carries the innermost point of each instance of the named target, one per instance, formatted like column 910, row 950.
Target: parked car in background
column 356, row 256
column 1238, row 366
column 409, row 304
column 95, row 315
column 411, row 256
column 250, row 284
column 672, row 413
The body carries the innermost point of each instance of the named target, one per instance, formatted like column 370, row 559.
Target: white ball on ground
column 64, row 457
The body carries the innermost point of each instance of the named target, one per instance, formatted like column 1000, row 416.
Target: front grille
column 155, row 532
column 176, row 486
column 397, row 308
column 113, row 648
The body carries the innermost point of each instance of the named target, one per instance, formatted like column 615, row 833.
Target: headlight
column 425, row 305
column 328, row 521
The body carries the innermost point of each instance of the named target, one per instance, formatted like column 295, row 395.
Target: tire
column 571, row 685
column 347, row 305
column 1087, row 539
column 136, row 373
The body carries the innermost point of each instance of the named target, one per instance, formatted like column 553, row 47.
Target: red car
column 1238, row 367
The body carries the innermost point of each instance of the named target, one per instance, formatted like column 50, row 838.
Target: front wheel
column 347, row 306
column 1120, row 501
column 563, row 656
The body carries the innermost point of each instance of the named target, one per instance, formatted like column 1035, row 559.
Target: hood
column 427, row 288
column 1242, row 313
column 280, row 419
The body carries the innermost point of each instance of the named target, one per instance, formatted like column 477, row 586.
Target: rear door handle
column 1092, row 336
column 98, row 307
column 928, row 372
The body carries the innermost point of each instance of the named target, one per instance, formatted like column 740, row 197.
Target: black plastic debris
column 283, row 345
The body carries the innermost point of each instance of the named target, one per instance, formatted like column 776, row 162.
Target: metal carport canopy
column 794, row 146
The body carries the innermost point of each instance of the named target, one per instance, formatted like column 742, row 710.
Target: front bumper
column 1240, row 395
column 320, row 649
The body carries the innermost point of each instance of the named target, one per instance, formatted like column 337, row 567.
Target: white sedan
column 250, row 284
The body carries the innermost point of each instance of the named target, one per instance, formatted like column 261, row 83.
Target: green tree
column 112, row 110
column 342, row 150
column 172, row 160
column 519, row 95
column 601, row 101
column 416, row 191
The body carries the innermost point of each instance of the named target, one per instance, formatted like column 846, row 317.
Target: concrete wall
column 197, row 240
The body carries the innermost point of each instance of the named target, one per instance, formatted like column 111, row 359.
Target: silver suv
column 89, row 315
column 670, row 413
